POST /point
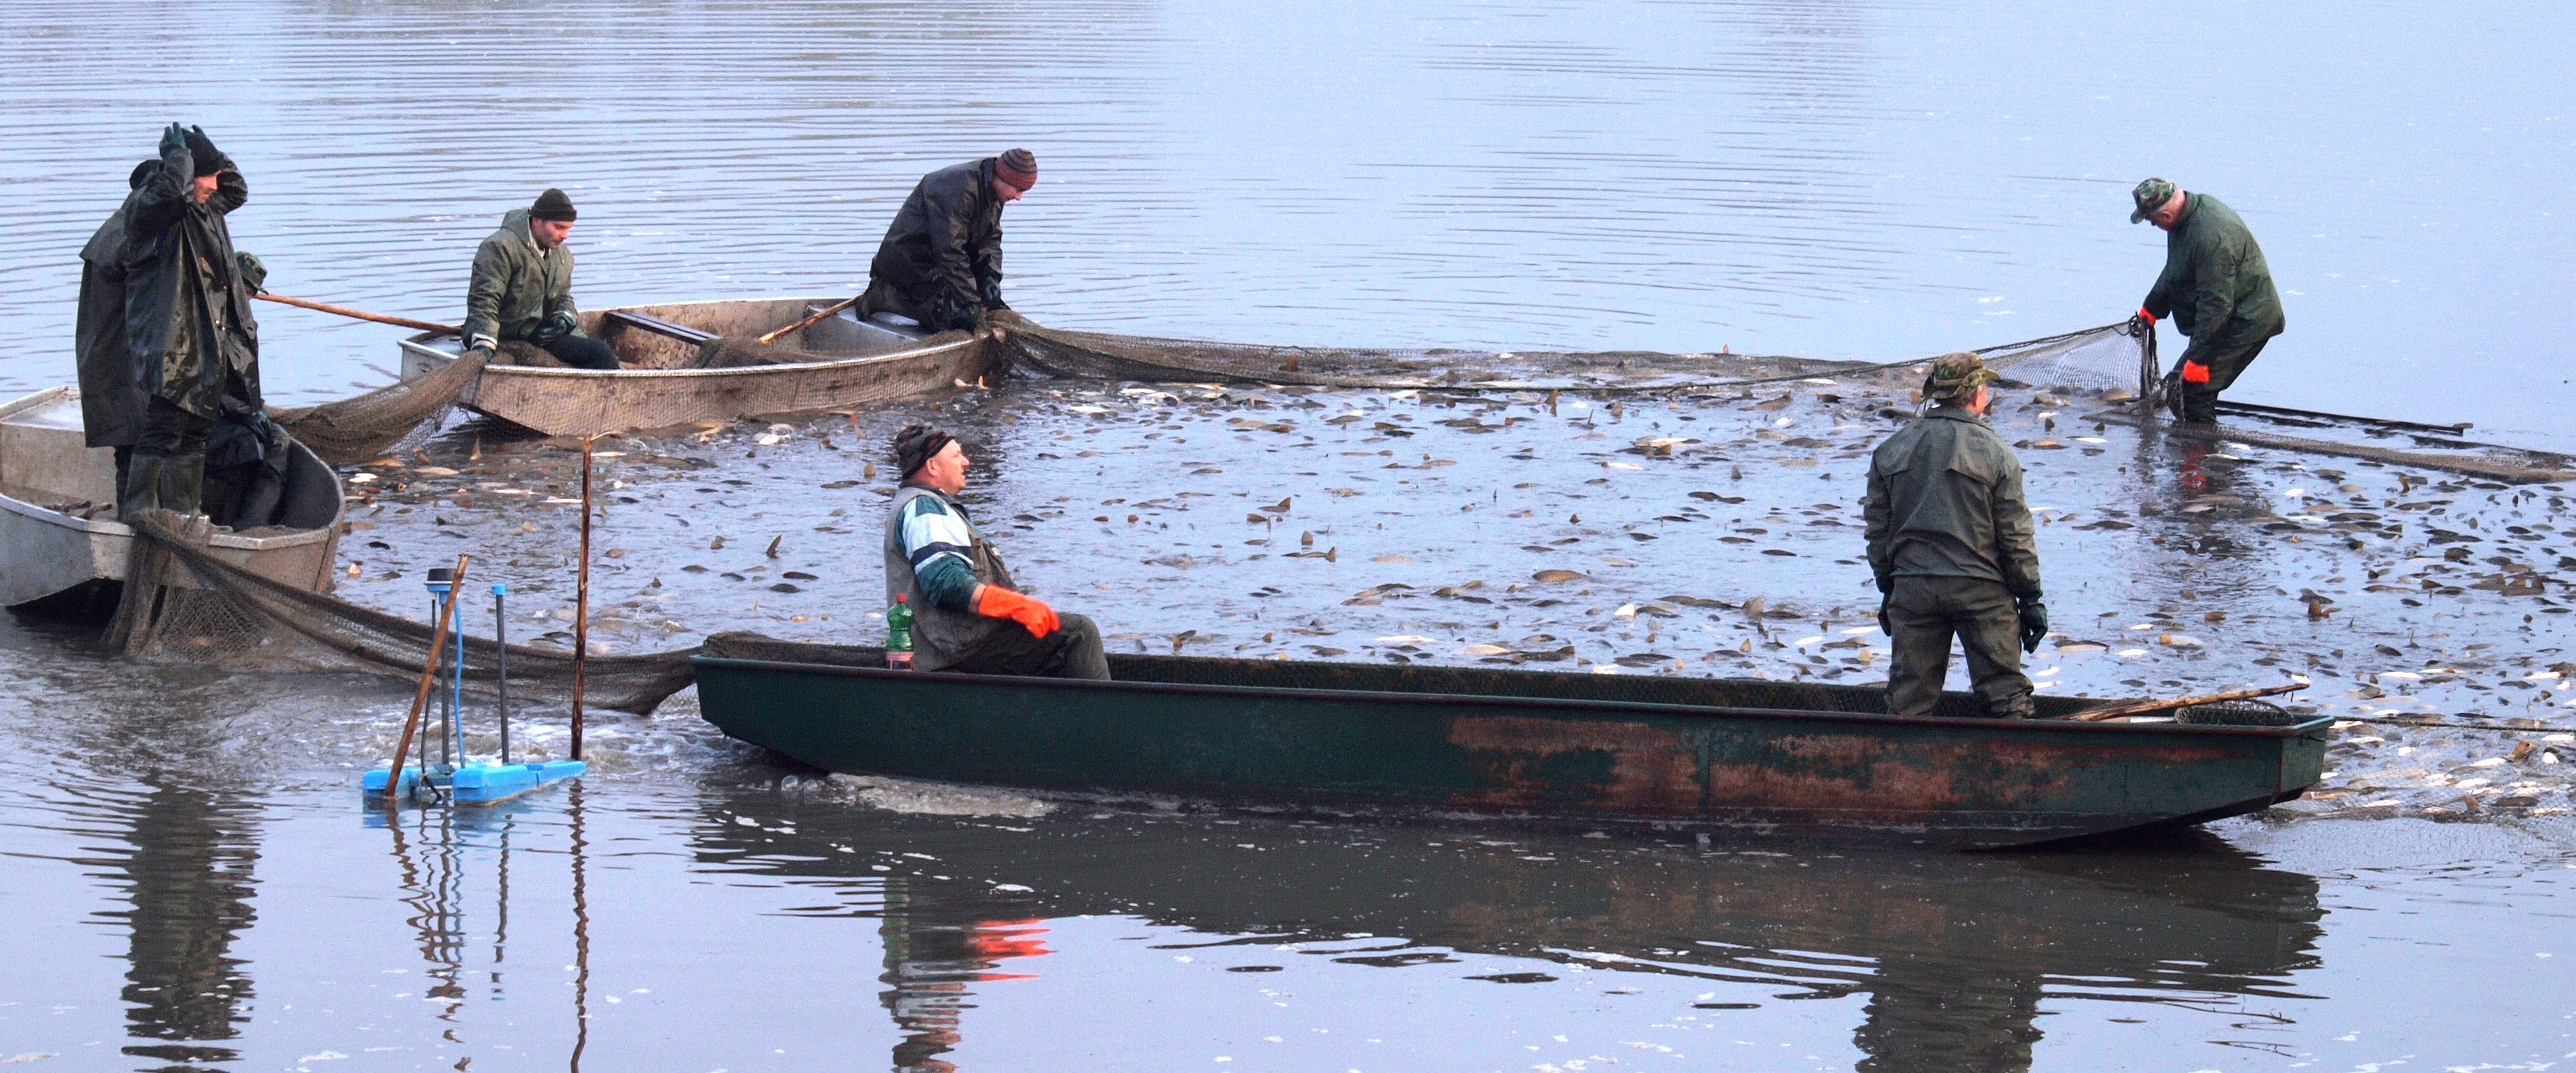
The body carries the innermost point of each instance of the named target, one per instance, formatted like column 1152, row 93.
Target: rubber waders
column 142, row 489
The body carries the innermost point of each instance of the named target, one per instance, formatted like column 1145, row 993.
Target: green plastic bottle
column 899, row 635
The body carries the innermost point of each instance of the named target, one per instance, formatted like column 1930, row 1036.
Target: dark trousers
column 1926, row 612
column 2200, row 401
column 583, row 352
column 1071, row 650
column 169, row 429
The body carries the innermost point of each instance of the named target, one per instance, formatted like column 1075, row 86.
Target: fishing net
column 2109, row 361
column 356, row 430
column 184, row 606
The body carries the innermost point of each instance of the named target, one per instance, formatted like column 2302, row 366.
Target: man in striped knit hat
column 941, row 261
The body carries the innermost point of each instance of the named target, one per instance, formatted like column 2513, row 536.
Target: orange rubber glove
column 2150, row 318
column 2195, row 373
column 994, row 601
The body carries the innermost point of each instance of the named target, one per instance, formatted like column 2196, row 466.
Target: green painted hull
column 1677, row 753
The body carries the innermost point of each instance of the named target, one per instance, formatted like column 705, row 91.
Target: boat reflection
column 1955, row 954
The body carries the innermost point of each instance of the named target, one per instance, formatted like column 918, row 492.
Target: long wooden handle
column 2145, row 706
column 380, row 318
column 810, row 321
column 428, row 675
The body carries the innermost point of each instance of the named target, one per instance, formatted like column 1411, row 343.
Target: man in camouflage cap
column 2216, row 287
column 1953, row 548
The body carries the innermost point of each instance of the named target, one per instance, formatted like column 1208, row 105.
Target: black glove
column 2034, row 622
column 555, row 327
column 1883, row 625
column 173, row 138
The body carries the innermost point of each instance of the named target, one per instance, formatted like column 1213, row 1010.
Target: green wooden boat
column 1673, row 753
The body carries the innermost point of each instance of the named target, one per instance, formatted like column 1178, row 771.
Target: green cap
column 1957, row 374
column 2150, row 196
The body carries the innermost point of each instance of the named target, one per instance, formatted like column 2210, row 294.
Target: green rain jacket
column 2216, row 285
column 1945, row 500
column 187, row 305
column 516, row 286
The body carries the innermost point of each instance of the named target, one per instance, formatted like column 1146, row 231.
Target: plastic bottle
column 899, row 635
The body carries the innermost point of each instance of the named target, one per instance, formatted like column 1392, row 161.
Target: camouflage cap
column 1957, row 374
column 2150, row 196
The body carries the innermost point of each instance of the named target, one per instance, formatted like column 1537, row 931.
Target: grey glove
column 1884, row 626
column 555, row 327
column 174, row 137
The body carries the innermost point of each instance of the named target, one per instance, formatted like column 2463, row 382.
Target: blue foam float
column 479, row 784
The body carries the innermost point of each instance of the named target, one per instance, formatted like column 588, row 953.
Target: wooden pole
column 2145, row 706
column 380, row 318
column 815, row 318
column 428, row 675
column 581, row 606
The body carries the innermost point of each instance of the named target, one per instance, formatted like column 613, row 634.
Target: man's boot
column 142, row 489
column 183, row 486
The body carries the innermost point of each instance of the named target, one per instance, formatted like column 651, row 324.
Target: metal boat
column 60, row 542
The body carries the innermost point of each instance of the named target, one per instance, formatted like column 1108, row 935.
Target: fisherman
column 967, row 617
column 941, row 261
column 2216, row 287
column 1952, row 546
column 188, row 327
column 522, row 288
column 111, row 382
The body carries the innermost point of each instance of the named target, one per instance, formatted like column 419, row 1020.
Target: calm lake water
column 185, row 881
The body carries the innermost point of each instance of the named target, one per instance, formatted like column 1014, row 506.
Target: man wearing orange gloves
column 2216, row 287
column 968, row 616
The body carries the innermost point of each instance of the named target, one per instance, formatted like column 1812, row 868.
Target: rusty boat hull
column 1724, row 756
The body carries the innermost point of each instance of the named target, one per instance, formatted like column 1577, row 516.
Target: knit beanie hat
column 552, row 205
column 1018, row 167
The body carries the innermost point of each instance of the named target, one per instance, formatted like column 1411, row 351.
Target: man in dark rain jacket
column 941, row 261
column 1953, row 549
column 2216, row 287
column 188, row 324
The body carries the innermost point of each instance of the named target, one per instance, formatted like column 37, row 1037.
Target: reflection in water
column 930, row 958
column 1955, row 954
column 189, row 879
column 432, row 860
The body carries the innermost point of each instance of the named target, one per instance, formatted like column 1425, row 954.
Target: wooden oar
column 2145, row 706
column 380, row 318
column 810, row 321
column 428, row 675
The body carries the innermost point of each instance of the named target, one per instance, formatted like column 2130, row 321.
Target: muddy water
column 187, row 884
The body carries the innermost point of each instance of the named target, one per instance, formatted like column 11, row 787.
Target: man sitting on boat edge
column 967, row 616
column 521, row 290
column 941, row 260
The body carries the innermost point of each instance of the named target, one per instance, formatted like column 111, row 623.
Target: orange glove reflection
column 994, row 601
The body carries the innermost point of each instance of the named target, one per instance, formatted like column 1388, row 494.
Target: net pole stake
column 420, row 696
column 581, row 604
column 501, row 662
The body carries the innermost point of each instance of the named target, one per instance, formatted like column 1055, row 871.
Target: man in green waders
column 2216, row 287
column 967, row 615
column 1953, row 548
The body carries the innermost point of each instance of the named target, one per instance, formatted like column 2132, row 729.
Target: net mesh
column 360, row 429
column 2108, row 361
column 184, row 606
